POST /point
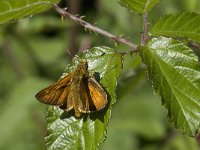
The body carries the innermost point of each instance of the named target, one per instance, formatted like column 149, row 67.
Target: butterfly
column 78, row 90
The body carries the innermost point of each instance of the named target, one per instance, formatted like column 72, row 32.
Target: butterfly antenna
column 69, row 53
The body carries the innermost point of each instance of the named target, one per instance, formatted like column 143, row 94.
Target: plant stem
column 73, row 31
column 91, row 27
column 145, row 28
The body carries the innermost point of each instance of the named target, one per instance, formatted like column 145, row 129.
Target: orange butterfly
column 77, row 90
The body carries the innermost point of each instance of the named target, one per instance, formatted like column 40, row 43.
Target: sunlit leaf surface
column 17, row 9
column 178, row 25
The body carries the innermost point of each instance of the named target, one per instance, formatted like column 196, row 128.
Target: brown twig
column 93, row 28
column 145, row 28
column 197, row 138
column 73, row 9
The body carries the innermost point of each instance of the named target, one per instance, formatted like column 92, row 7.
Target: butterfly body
column 77, row 90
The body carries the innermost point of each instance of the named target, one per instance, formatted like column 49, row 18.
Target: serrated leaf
column 178, row 25
column 88, row 131
column 139, row 6
column 175, row 73
column 17, row 9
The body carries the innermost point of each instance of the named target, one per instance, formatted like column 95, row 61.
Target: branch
column 91, row 27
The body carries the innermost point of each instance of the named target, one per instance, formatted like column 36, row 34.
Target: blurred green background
column 34, row 54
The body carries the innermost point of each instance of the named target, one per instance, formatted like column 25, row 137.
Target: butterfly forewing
column 57, row 93
column 67, row 104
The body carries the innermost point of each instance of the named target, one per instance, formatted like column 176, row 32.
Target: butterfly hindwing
column 97, row 94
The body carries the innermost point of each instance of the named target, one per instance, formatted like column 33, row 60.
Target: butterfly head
column 83, row 64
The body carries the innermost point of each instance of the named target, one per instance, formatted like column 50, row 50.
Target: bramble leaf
column 139, row 6
column 178, row 25
column 174, row 71
column 15, row 10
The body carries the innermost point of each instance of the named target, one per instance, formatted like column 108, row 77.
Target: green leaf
column 182, row 25
column 175, row 73
column 88, row 131
column 15, row 10
column 139, row 6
